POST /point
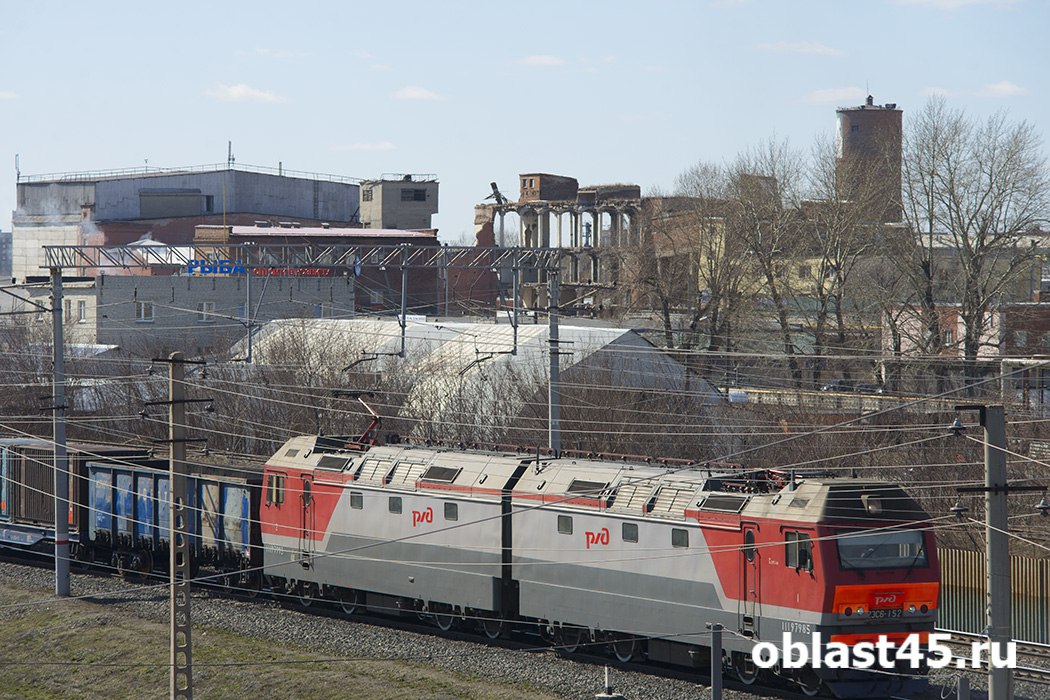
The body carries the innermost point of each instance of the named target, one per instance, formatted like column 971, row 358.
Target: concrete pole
column 716, row 661
column 180, row 648
column 997, row 544
column 248, row 311
column 404, row 298
column 58, row 412
column 514, row 303
column 555, row 367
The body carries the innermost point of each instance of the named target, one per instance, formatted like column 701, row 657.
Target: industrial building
column 119, row 207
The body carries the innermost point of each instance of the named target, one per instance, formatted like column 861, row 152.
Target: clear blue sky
column 480, row 91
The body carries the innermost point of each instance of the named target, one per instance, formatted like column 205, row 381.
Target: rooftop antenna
column 18, row 172
column 229, row 154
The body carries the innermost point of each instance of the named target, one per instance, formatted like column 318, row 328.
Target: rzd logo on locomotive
column 884, row 600
column 422, row 516
column 600, row 537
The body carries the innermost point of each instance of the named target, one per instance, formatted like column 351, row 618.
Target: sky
column 476, row 92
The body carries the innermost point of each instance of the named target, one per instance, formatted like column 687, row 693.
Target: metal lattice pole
column 61, row 484
column 181, row 657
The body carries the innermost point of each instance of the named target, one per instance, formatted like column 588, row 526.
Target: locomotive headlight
column 860, row 610
column 911, row 609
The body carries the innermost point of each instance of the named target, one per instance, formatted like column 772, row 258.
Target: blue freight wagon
column 130, row 511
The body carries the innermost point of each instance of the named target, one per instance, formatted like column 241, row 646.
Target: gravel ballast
column 513, row 672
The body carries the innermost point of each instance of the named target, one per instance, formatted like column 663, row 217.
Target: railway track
column 1033, row 660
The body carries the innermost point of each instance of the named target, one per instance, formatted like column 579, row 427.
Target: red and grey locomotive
column 634, row 555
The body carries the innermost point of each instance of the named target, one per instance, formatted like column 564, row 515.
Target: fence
column 964, row 588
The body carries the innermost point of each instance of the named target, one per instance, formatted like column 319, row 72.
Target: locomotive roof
column 615, row 486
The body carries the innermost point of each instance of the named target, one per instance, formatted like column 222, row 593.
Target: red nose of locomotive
column 892, row 610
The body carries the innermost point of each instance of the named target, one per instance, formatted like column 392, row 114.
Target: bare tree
column 764, row 214
column 971, row 191
column 843, row 235
column 721, row 266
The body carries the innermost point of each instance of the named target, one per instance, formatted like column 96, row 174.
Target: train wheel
column 249, row 583
column 744, row 667
column 307, row 594
column 493, row 627
column 624, row 648
column 570, row 638
column 443, row 616
column 808, row 682
column 349, row 601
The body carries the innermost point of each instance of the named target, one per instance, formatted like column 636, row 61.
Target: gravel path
column 342, row 638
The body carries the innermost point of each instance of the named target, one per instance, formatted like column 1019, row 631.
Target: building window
column 67, row 310
column 1020, row 339
column 565, row 524
column 81, row 311
column 949, row 336
column 144, row 311
column 205, row 312
column 679, row 538
column 413, row 195
column 209, row 203
column 366, row 194
column 532, row 183
column 357, row 500
column 451, row 511
column 798, row 551
column 854, row 128
column 630, row 532
column 395, row 504
column 376, row 297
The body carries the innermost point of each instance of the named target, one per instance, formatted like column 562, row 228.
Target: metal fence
column 964, row 588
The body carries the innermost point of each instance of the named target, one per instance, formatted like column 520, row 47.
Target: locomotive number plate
column 885, row 613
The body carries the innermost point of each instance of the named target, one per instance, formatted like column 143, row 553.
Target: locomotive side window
column 275, row 489
column 749, row 545
column 798, row 551
column 395, row 504
column 357, row 500
column 630, row 532
column 565, row 524
column 451, row 511
column 679, row 538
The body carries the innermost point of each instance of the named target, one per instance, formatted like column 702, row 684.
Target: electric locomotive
column 636, row 556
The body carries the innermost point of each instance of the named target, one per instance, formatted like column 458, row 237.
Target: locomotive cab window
column 630, row 532
column 900, row 549
column 274, row 489
column 679, row 538
column 451, row 511
column 357, row 500
column 565, row 524
column 798, row 551
column 395, row 504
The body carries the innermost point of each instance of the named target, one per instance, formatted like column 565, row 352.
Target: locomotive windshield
column 882, row 550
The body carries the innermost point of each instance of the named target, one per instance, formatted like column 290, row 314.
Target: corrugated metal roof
column 452, row 363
